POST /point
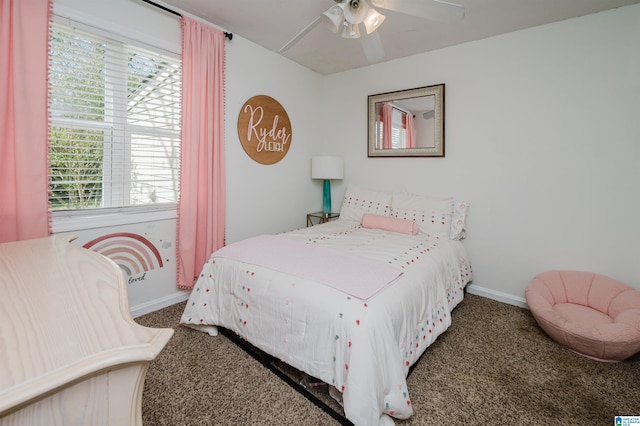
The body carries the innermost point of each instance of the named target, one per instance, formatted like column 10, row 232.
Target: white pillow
column 359, row 201
column 433, row 215
column 459, row 220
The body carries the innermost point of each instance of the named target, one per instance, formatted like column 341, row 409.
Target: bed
column 353, row 302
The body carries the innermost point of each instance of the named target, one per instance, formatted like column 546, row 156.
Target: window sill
column 69, row 221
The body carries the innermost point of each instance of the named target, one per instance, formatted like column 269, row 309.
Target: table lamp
column 327, row 168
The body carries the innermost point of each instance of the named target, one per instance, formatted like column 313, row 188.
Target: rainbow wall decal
column 133, row 253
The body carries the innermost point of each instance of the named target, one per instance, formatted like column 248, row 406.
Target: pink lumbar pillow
column 389, row 223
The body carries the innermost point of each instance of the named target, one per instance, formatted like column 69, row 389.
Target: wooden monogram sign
column 264, row 129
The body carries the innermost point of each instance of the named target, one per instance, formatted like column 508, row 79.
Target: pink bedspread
column 355, row 275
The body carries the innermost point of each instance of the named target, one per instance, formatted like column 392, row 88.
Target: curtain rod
column 166, row 9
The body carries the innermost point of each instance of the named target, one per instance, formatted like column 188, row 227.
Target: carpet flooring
column 494, row 365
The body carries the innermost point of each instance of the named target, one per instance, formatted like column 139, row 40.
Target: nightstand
column 319, row 217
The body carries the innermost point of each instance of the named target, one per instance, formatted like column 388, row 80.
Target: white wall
column 270, row 198
column 542, row 137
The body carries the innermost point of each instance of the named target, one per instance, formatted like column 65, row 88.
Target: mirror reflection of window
column 407, row 123
column 407, row 129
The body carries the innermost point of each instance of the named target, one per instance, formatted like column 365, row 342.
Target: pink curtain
column 387, row 120
column 409, row 129
column 24, row 38
column 201, row 209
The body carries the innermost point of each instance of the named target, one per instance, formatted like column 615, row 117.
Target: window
column 114, row 127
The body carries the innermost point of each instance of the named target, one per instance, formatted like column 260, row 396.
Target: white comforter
column 363, row 348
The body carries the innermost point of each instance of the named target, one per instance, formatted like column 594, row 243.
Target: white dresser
column 70, row 352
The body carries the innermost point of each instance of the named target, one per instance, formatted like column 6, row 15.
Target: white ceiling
column 272, row 23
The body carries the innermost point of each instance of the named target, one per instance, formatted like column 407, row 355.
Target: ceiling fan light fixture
column 334, row 17
column 345, row 17
column 373, row 20
column 355, row 11
column 350, row 30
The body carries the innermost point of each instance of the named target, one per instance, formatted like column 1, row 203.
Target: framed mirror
column 407, row 123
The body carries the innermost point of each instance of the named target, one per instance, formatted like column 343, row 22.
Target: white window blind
column 398, row 132
column 114, row 126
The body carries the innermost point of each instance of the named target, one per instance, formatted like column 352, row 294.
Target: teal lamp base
column 326, row 197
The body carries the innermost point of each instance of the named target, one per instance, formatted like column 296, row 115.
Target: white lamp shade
column 334, row 17
column 350, row 31
column 373, row 20
column 326, row 167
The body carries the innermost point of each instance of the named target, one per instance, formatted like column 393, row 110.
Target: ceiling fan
column 349, row 17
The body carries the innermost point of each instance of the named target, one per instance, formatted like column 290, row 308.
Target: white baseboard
column 157, row 304
column 497, row 295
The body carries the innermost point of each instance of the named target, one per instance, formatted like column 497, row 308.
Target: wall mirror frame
column 417, row 123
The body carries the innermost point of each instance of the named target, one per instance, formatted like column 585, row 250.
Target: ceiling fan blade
column 372, row 45
column 301, row 34
column 435, row 10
